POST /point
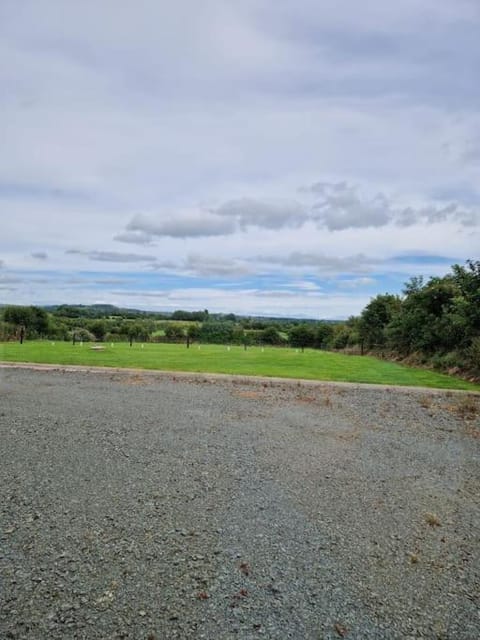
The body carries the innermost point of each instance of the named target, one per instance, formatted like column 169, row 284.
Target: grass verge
column 270, row 361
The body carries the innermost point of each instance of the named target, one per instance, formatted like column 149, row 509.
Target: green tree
column 32, row 320
column 193, row 331
column 302, row 335
column 134, row 331
column 57, row 329
column 467, row 280
column 175, row 332
column 340, row 336
column 323, row 335
column 217, row 332
column 270, row 335
column 80, row 334
column 99, row 328
column 427, row 320
column 374, row 319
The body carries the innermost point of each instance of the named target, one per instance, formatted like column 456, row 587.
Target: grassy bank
column 286, row 363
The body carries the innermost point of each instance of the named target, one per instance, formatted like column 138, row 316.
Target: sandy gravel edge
column 192, row 375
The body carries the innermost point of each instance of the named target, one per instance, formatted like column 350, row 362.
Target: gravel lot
column 152, row 506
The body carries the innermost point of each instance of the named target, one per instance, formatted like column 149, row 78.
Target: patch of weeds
column 305, row 399
column 89, row 536
column 432, row 519
column 135, row 379
column 238, row 597
column 467, row 407
column 426, row 402
column 473, row 431
column 252, row 395
column 340, row 629
column 327, row 400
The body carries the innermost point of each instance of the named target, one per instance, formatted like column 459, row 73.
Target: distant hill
column 100, row 311
column 96, row 311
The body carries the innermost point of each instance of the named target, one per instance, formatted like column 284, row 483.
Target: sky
column 271, row 157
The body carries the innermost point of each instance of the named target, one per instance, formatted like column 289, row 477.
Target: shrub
column 217, row 332
column 450, row 360
column 81, row 334
column 473, row 355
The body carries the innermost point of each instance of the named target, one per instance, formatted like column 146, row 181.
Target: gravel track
column 156, row 506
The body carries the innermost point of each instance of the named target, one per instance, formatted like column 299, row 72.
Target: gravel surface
column 151, row 506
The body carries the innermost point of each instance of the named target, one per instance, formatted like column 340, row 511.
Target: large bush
column 217, row 332
column 81, row 335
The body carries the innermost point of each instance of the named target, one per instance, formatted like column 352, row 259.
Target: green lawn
column 270, row 361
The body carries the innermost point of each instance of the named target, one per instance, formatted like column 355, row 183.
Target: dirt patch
column 250, row 395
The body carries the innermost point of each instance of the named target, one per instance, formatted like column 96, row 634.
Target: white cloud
column 249, row 212
column 251, row 301
column 6, row 279
column 134, row 237
column 336, row 207
column 305, row 285
column 39, row 255
column 342, row 208
column 212, row 266
column 355, row 283
column 202, row 225
column 321, row 263
column 111, row 256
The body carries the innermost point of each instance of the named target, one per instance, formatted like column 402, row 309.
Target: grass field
column 270, row 361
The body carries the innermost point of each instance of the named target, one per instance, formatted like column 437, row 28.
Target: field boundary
column 240, row 378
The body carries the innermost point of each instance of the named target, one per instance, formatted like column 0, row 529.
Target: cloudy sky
column 275, row 157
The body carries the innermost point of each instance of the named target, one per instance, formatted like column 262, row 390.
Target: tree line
column 81, row 324
column 434, row 322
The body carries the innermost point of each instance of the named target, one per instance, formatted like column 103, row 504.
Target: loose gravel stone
column 144, row 505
